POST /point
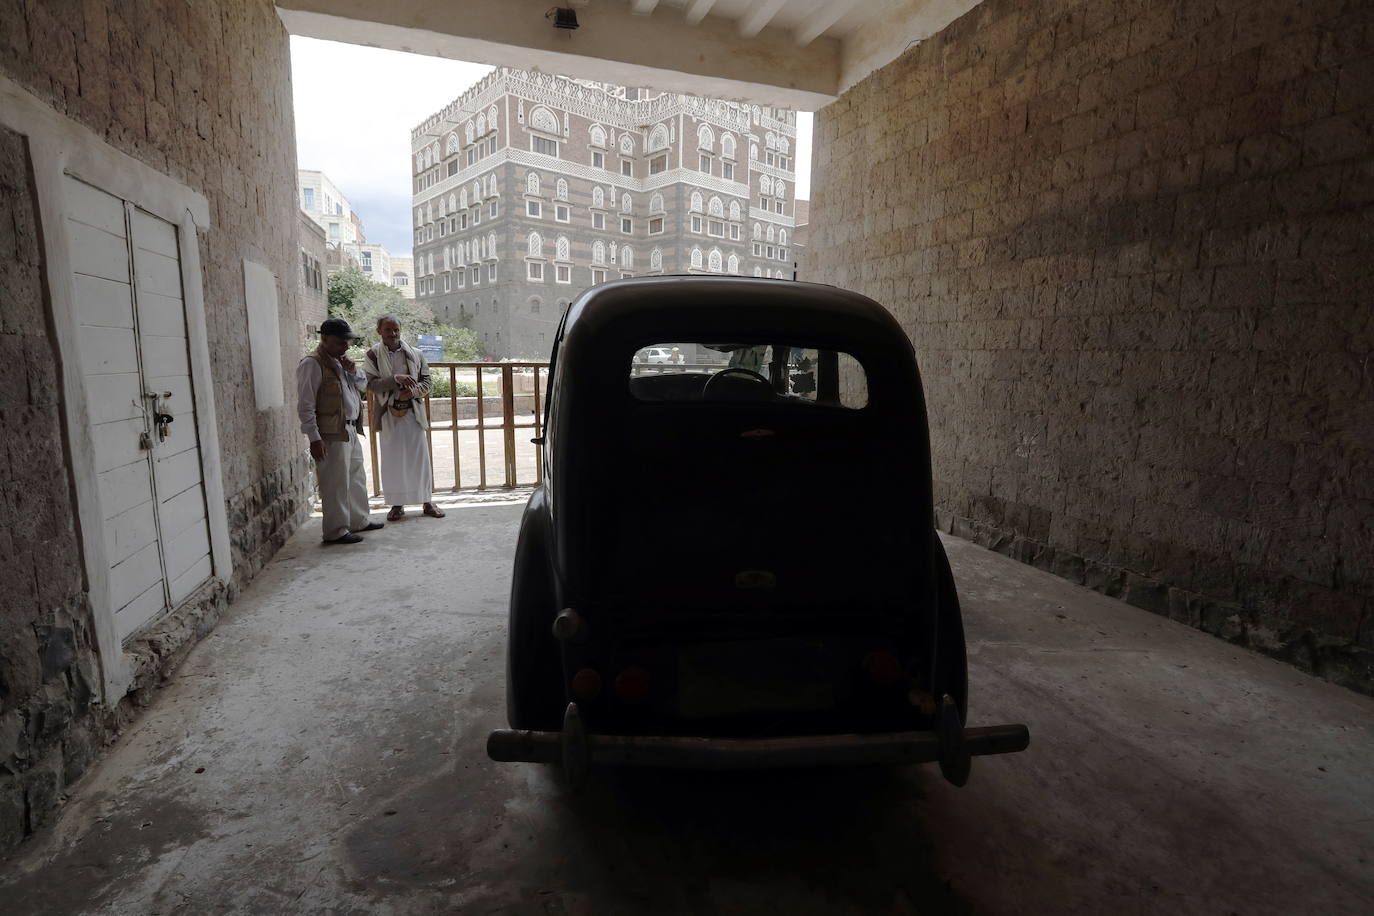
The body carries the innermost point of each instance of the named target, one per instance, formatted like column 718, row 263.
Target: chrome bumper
column 950, row 744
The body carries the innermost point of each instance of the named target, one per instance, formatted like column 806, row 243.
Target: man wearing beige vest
column 327, row 401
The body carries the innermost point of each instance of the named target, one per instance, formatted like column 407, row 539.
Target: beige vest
column 329, row 402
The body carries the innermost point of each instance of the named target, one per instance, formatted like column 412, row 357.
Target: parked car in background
column 776, row 620
column 658, row 356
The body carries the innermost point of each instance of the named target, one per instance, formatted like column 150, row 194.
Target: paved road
column 322, row 751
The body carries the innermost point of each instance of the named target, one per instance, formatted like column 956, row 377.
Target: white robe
column 407, row 477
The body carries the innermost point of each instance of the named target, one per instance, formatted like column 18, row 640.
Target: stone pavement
column 322, row 751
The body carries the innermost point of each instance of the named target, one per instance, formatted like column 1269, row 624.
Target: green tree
column 345, row 287
column 461, row 345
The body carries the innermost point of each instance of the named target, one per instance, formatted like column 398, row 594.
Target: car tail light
column 586, row 684
column 882, row 668
column 632, row 685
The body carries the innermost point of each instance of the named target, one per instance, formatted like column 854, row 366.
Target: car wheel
column 534, row 664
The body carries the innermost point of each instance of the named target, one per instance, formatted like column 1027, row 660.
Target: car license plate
column 762, row 676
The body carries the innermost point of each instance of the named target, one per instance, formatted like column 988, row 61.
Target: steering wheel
column 750, row 374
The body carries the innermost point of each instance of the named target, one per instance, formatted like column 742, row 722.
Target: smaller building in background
column 403, row 275
column 323, row 202
column 314, row 303
column 373, row 259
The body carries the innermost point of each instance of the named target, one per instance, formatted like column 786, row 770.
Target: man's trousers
column 343, row 487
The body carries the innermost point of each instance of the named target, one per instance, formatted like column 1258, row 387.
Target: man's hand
column 405, row 381
column 346, row 363
column 405, row 394
column 317, row 450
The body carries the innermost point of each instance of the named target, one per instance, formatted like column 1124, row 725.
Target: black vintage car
column 731, row 561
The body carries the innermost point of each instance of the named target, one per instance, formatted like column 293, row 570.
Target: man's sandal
column 433, row 511
column 396, row 513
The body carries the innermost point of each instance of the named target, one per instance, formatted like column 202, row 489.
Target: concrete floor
column 322, row 751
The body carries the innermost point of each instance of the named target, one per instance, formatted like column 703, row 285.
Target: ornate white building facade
column 529, row 188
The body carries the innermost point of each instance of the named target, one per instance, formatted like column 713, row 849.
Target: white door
column 131, row 324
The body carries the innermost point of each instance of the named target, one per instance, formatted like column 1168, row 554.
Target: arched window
column 656, row 203
column 562, row 189
column 534, row 303
column 545, row 121
column 419, row 162
column 770, row 232
column 598, row 252
column 734, row 210
column 563, row 249
column 532, row 184
column 598, row 135
column 771, row 140
column 627, row 144
column 696, row 259
column 782, row 236
column 451, row 145
column 758, row 271
column 443, row 208
column 765, row 185
column 780, row 189
column 658, row 138
column 598, row 198
column 476, row 193
column 706, row 138
column 696, row 205
column 452, row 202
column 734, row 263
column 757, row 230
column 491, row 244
column 714, row 261
column 463, row 198
column 753, row 155
column 727, row 146
column 419, row 217
column 429, row 212
column 467, row 131
column 625, row 205
column 627, row 257
column 535, row 245
column 715, row 207
column 491, row 118
column 482, row 124
column 784, row 144
column 656, row 259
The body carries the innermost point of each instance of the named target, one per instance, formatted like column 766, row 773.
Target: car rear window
column 748, row 372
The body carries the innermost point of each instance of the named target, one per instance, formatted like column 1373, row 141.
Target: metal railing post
column 508, row 421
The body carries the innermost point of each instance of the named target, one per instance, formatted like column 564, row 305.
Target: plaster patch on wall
column 264, row 333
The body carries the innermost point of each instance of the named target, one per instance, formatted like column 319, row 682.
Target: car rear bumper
column 950, row 744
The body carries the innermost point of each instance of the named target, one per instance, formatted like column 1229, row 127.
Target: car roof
column 716, row 304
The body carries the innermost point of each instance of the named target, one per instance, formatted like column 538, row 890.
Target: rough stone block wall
column 199, row 91
column 1131, row 244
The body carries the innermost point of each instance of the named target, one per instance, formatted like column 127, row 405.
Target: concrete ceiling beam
column 643, row 7
column 613, row 45
column 759, row 15
column 697, row 10
column 825, row 15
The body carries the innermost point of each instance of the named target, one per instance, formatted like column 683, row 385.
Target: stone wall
column 1130, row 242
column 201, row 92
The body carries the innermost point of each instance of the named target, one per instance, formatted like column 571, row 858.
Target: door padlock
column 145, row 441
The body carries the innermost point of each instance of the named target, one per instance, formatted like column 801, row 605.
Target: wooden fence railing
column 473, row 435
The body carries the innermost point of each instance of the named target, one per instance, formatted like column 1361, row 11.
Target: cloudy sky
column 355, row 108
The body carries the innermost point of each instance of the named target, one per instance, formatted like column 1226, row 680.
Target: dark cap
column 337, row 327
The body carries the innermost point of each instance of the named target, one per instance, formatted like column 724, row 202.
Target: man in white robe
column 398, row 377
